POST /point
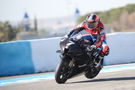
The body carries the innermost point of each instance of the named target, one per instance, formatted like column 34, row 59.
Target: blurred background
column 36, row 19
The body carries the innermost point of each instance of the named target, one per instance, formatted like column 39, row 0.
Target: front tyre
column 61, row 72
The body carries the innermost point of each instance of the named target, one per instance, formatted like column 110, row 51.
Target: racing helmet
column 92, row 21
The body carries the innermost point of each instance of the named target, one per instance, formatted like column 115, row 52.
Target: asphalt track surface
column 115, row 80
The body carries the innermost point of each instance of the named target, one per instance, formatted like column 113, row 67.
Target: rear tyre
column 93, row 72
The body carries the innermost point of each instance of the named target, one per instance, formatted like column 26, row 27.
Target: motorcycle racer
column 94, row 28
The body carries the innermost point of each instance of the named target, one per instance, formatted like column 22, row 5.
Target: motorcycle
column 75, row 60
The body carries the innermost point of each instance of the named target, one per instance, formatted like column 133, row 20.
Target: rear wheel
column 93, row 72
column 62, row 72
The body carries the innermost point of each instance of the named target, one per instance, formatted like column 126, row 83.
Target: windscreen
column 83, row 34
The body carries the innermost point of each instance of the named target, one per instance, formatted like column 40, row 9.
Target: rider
column 94, row 28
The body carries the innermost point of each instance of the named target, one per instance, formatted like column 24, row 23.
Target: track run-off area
column 115, row 77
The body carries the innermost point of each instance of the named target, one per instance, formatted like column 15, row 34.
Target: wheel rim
column 64, row 73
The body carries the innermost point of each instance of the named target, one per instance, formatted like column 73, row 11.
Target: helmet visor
column 91, row 24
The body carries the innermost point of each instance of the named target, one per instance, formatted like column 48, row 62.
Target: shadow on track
column 105, row 79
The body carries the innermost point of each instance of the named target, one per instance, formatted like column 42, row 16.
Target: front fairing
column 71, row 40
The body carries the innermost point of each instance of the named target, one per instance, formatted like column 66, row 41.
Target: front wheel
column 62, row 72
